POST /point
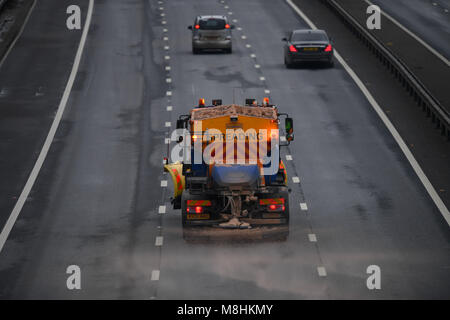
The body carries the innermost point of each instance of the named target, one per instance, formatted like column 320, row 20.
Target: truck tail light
column 196, row 209
column 276, row 207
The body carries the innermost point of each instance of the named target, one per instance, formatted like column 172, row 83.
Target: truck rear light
column 197, row 209
column 276, row 207
column 292, row 48
column 328, row 48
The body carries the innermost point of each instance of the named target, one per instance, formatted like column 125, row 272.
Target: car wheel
column 287, row 64
column 229, row 50
column 195, row 50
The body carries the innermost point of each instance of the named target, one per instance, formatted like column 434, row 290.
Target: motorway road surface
column 428, row 19
column 96, row 201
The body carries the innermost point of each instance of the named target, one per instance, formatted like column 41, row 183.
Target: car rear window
column 212, row 24
column 309, row 36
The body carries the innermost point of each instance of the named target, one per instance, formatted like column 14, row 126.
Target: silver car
column 211, row 32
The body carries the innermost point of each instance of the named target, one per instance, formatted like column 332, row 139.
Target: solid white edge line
column 51, row 134
column 414, row 164
column 416, row 37
column 13, row 43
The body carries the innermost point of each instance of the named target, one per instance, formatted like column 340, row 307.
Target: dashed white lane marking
column 165, row 30
column 312, row 237
column 159, row 241
column 161, row 8
column 163, row 14
column 235, row 20
column 226, row 7
column 167, row 57
column 168, row 68
column 155, row 275
column 414, row 164
column 163, row 183
column 51, row 134
column 162, row 209
column 168, row 93
column 262, row 78
column 169, row 80
column 322, row 271
column 267, row 91
column 243, row 37
column 422, row 42
column 239, row 28
column 164, row 22
column 248, row 45
column 253, row 55
column 257, row 66
column 168, row 124
column 166, row 38
column 303, row 206
column 169, row 108
column 288, row 157
column 230, row 13
column 295, row 179
column 166, row 47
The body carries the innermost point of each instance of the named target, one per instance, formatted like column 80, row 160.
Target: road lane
column 100, row 190
column 429, row 20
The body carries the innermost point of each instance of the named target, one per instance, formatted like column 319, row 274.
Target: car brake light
column 197, row 26
column 292, row 48
column 328, row 48
column 227, row 26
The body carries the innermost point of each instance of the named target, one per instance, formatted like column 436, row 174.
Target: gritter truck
column 231, row 176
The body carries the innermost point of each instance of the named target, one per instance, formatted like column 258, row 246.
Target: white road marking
column 163, row 22
column 257, row 66
column 155, row 275
column 163, row 183
column 168, row 68
column 288, row 157
column 244, row 37
column 267, row 91
column 230, row 13
column 166, row 38
column 169, row 108
column 417, row 38
column 166, row 47
column 262, row 78
column 167, row 57
column 51, row 134
column 169, row 80
column 168, row 124
column 167, row 140
column 413, row 162
column 11, row 46
column 322, row 271
column 168, row 93
column 295, row 179
column 162, row 209
column 159, row 241
column 248, row 45
column 253, row 55
column 303, row 206
column 312, row 237
column 165, row 30
column 226, row 7
column 161, row 8
column 163, row 14
column 239, row 28
column 235, row 20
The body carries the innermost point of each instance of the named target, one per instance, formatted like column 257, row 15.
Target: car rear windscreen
column 212, row 24
column 308, row 36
